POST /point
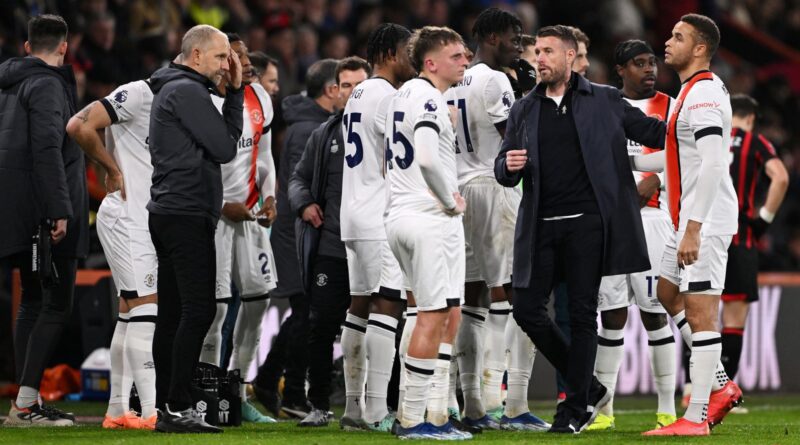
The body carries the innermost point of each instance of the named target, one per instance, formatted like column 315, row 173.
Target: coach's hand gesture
column 234, row 74
column 516, row 159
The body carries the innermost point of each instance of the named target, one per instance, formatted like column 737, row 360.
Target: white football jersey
column 417, row 103
column 243, row 176
column 706, row 106
column 127, row 140
column 658, row 106
column 363, row 191
column 483, row 99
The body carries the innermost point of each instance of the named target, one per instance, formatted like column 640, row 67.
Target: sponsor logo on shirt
column 704, row 105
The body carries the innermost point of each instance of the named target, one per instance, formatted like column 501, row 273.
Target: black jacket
column 307, row 186
column 604, row 120
column 303, row 115
column 42, row 170
column 189, row 139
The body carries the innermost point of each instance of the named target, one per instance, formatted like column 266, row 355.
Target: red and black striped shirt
column 749, row 152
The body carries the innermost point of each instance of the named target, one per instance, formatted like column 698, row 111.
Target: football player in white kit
column 637, row 66
column 703, row 209
column 376, row 281
column 423, row 223
column 244, row 253
column 123, row 232
column 483, row 100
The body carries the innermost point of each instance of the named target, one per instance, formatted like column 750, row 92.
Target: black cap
column 629, row 49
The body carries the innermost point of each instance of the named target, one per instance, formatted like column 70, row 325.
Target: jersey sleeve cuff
column 112, row 113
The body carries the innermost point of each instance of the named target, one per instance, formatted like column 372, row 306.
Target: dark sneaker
column 296, row 410
column 599, row 396
column 52, row 410
column 186, row 421
column 270, row 399
column 34, row 415
column 316, row 417
column 565, row 422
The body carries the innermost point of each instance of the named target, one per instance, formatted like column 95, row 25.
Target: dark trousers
column 41, row 318
column 186, row 304
column 330, row 298
column 569, row 249
column 561, row 309
column 288, row 356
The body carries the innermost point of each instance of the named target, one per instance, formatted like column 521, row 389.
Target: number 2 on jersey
column 353, row 137
column 398, row 137
column 462, row 105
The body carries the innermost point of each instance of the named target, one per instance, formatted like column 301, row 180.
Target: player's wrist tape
column 766, row 215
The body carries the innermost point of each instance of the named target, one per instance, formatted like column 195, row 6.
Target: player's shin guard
column 212, row 345
column 469, row 351
column 440, row 384
column 494, row 359
column 706, row 350
column 521, row 354
column 118, row 401
column 355, row 364
column 247, row 335
column 662, row 363
column 139, row 355
column 405, row 339
column 381, row 332
column 610, row 351
column 418, row 375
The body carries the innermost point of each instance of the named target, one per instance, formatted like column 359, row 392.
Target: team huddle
column 434, row 221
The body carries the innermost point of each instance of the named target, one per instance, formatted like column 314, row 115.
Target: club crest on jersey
column 256, row 117
column 507, row 99
column 121, row 96
column 430, row 105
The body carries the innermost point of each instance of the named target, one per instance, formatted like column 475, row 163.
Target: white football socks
column 355, row 364
column 662, row 363
column 686, row 334
column 118, row 400
column 139, row 356
column 380, row 337
column 418, row 374
column 610, row 351
column 247, row 336
column 438, row 396
column 470, row 353
column 494, row 364
column 405, row 339
column 521, row 354
column 212, row 345
column 706, row 351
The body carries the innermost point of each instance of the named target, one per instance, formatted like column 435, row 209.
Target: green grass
column 772, row 420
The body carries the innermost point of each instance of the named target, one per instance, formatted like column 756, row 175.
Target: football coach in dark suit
column 579, row 216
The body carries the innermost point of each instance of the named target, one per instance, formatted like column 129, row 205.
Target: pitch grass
column 772, row 420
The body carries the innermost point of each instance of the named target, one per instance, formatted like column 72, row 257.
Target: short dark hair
column 427, row 39
column 233, row 37
column 494, row 20
column 563, row 33
column 46, row 32
column 706, row 30
column 580, row 36
column 352, row 63
column 383, row 41
column 320, row 74
column 527, row 40
column 743, row 105
column 261, row 62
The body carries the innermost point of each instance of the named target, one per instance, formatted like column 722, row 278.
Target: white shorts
column 707, row 275
column 244, row 255
column 431, row 255
column 372, row 268
column 618, row 291
column 489, row 225
column 130, row 253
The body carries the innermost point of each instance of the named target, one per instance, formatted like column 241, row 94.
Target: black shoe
column 296, row 410
column 461, row 426
column 599, row 396
column 270, row 399
column 186, row 421
column 317, row 417
column 55, row 412
column 565, row 422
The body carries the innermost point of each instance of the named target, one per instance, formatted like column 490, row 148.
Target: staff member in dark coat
column 42, row 177
column 579, row 216
column 189, row 139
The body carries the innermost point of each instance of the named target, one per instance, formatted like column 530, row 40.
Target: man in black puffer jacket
column 42, row 178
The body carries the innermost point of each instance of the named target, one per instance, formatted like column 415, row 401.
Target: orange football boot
column 721, row 401
column 114, row 423
column 681, row 427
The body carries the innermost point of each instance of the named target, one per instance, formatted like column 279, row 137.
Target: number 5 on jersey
column 398, row 138
column 349, row 121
